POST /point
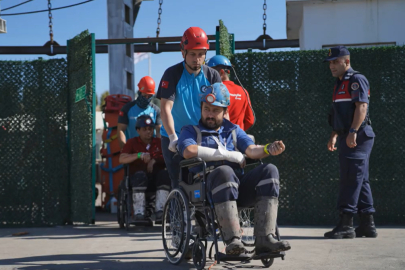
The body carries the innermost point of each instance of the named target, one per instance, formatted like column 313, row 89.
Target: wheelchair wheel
column 199, row 255
column 176, row 226
column 267, row 262
column 246, row 220
column 120, row 209
column 127, row 211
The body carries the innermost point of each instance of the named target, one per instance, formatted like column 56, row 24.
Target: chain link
column 159, row 20
column 50, row 20
column 264, row 17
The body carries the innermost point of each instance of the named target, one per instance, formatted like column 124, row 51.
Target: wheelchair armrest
column 251, row 162
column 191, row 162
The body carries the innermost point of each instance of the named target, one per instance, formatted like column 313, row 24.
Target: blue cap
column 144, row 121
column 336, row 52
column 217, row 95
column 219, row 60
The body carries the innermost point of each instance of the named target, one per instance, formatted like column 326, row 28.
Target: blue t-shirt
column 188, row 136
column 185, row 90
column 131, row 111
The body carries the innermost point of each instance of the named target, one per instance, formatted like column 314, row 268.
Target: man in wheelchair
column 146, row 169
column 222, row 145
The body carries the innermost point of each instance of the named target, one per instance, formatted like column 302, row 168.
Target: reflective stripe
column 139, row 188
column 343, row 99
column 268, row 181
column 224, row 185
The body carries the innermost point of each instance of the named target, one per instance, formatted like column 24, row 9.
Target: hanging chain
column 159, row 20
column 50, row 21
column 264, row 17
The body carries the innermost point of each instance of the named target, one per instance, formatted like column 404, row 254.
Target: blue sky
column 241, row 17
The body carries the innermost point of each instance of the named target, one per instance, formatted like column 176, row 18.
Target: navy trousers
column 223, row 184
column 355, row 192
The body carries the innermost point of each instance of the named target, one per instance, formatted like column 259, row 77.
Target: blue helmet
column 217, row 95
column 144, row 121
column 219, row 60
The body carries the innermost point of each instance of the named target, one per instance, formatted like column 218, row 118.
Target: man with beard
column 146, row 169
column 140, row 106
column 221, row 145
column 180, row 90
column 350, row 121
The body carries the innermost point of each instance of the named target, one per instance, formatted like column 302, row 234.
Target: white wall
column 369, row 21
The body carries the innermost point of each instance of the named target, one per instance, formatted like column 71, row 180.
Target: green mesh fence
column 81, row 134
column 291, row 93
column 33, row 143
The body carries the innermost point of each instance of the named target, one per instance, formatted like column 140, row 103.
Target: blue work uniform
column 131, row 111
column 355, row 192
column 185, row 90
column 226, row 180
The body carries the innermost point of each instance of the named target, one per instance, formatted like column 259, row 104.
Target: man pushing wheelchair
column 222, row 146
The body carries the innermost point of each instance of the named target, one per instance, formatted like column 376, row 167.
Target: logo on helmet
column 148, row 121
column 204, row 88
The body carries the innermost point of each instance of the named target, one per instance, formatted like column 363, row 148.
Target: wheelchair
column 189, row 203
column 125, row 207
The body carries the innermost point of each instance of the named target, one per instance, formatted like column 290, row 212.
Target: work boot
column 344, row 229
column 366, row 227
column 161, row 196
column 139, row 202
column 227, row 214
column 265, row 227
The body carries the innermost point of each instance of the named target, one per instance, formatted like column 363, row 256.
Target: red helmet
column 194, row 38
column 147, row 85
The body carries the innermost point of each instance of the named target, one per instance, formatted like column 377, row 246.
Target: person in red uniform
column 240, row 111
column 147, row 170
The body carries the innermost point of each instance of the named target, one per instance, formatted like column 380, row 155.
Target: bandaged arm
column 211, row 154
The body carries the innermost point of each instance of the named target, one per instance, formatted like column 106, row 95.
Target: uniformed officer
column 218, row 142
column 350, row 121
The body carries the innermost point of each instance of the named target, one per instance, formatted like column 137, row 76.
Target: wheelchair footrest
column 227, row 258
column 145, row 222
column 269, row 255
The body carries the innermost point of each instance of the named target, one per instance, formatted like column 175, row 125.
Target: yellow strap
column 265, row 149
column 113, row 137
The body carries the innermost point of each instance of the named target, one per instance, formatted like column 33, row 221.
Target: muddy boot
column 161, row 196
column 366, row 227
column 265, row 227
column 227, row 214
column 344, row 229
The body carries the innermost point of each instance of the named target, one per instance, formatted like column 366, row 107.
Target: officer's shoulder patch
column 355, row 86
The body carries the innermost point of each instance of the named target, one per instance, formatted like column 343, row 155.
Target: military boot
column 227, row 214
column 265, row 227
column 344, row 229
column 366, row 227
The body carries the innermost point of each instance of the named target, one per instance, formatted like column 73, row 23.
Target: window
column 129, row 80
column 128, row 50
column 127, row 14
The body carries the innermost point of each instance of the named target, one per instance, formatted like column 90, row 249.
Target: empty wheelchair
column 190, row 221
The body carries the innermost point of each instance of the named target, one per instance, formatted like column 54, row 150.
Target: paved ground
column 104, row 246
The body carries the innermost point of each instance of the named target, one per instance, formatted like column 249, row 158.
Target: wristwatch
column 352, row 130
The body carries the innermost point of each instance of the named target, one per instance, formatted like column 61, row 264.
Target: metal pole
column 150, row 65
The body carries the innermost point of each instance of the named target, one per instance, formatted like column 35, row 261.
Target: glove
column 173, row 142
